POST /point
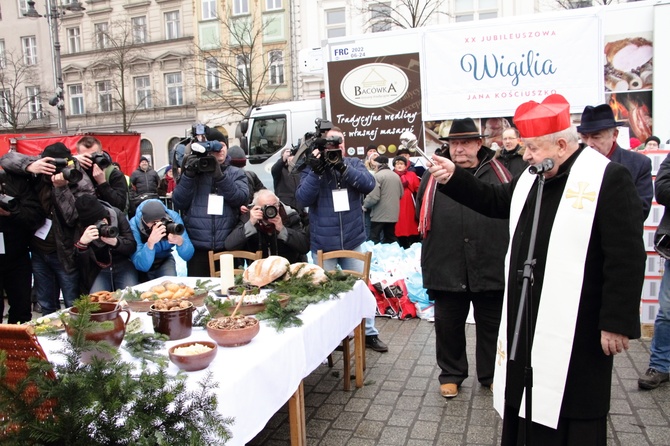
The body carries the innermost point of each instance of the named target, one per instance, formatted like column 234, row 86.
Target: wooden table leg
column 296, row 417
column 359, row 353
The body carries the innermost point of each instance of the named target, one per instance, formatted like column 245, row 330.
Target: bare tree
column 20, row 101
column 120, row 48
column 239, row 72
column 408, row 14
column 576, row 4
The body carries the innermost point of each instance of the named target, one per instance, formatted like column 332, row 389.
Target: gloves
column 340, row 167
column 191, row 166
column 318, row 165
column 217, row 173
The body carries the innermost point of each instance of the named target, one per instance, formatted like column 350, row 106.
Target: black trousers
column 15, row 282
column 451, row 312
column 388, row 229
column 569, row 432
column 198, row 266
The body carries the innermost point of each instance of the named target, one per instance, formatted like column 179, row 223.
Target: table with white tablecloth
column 256, row 380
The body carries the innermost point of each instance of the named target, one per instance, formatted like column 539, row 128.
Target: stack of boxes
column 655, row 263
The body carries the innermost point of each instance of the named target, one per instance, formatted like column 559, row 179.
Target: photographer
column 57, row 181
column 209, row 195
column 110, row 183
column 20, row 215
column 157, row 230
column 333, row 187
column 286, row 179
column 271, row 227
column 104, row 246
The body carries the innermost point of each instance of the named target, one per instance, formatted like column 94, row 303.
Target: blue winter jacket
column 144, row 258
column 191, row 196
column 330, row 230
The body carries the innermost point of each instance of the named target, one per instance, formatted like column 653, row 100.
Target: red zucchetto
column 550, row 116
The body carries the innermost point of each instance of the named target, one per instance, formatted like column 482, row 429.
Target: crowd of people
column 78, row 227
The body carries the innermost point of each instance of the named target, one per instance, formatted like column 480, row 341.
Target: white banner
column 490, row 70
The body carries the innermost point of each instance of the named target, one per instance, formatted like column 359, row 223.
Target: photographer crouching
column 209, row 195
column 271, row 227
column 157, row 230
column 104, row 246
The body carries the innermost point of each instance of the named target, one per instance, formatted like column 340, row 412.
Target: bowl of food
column 233, row 331
column 141, row 301
column 193, row 356
column 252, row 304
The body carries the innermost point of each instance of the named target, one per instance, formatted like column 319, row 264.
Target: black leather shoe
column 652, row 378
column 375, row 344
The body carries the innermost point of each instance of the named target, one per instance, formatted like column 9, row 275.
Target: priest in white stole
column 587, row 279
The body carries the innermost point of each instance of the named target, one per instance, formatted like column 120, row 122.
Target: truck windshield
column 268, row 135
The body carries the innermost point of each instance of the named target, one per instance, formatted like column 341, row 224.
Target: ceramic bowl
column 192, row 363
column 234, row 337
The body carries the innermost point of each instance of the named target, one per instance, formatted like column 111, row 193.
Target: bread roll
column 263, row 271
column 301, row 268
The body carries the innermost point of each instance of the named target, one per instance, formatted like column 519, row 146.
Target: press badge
column 215, row 204
column 44, row 230
column 340, row 200
column 2, row 243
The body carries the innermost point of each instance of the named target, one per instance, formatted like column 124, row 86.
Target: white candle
column 227, row 273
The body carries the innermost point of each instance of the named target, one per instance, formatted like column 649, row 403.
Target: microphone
column 546, row 165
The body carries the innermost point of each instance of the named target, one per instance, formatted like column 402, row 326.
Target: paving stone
column 424, row 430
column 369, row 429
column 393, row 436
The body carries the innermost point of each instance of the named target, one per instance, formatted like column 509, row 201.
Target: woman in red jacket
column 407, row 228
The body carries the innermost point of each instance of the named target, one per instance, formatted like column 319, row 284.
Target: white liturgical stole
column 561, row 289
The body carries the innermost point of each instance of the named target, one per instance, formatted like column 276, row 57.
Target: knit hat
column 237, row 156
column 144, row 158
column 153, row 210
column 653, row 138
column 550, row 116
column 400, row 159
column 90, row 210
column 56, row 150
column 403, row 151
column 381, row 159
column 634, row 142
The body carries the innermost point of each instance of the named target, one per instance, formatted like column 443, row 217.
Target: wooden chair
column 215, row 263
column 359, row 332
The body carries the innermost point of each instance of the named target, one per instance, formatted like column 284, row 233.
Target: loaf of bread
column 301, row 269
column 264, row 271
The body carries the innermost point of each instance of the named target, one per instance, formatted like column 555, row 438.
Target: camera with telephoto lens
column 309, row 143
column 7, row 202
column 101, row 160
column 106, row 230
column 69, row 170
column 269, row 211
column 205, row 163
column 171, row 227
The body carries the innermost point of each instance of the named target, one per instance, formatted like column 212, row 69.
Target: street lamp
column 52, row 15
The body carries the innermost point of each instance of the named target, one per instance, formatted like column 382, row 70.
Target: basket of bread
column 167, row 290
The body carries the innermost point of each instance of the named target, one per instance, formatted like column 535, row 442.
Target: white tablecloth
column 256, row 380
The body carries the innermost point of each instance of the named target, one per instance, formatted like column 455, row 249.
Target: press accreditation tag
column 215, row 204
column 2, row 243
column 340, row 200
column 44, row 230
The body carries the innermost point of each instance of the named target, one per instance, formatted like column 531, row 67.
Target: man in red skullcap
column 586, row 282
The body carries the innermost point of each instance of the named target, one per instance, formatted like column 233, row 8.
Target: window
column 23, row 7
column 143, row 92
column 3, row 62
column 174, row 89
column 172, row 25
column 29, row 45
column 380, row 14
column 212, row 78
column 73, row 40
column 242, row 63
column 208, row 9
column 468, row 10
column 240, row 7
column 272, row 4
column 4, row 107
column 76, row 94
column 34, row 103
column 104, row 96
column 101, row 31
column 335, row 23
column 276, row 67
column 139, row 27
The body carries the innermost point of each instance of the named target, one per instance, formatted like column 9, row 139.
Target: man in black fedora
column 462, row 260
column 599, row 130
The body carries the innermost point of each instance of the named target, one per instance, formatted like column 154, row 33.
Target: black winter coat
column 613, row 276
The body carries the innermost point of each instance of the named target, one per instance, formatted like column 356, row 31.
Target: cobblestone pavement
column 400, row 402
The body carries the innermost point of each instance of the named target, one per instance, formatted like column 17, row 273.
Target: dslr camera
column 330, row 149
column 269, row 211
column 205, row 163
column 7, row 202
column 311, row 141
column 106, row 230
column 171, row 227
column 101, row 160
column 68, row 168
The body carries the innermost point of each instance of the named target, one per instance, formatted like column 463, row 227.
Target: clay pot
column 233, row 337
column 112, row 332
column 176, row 324
column 192, row 363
